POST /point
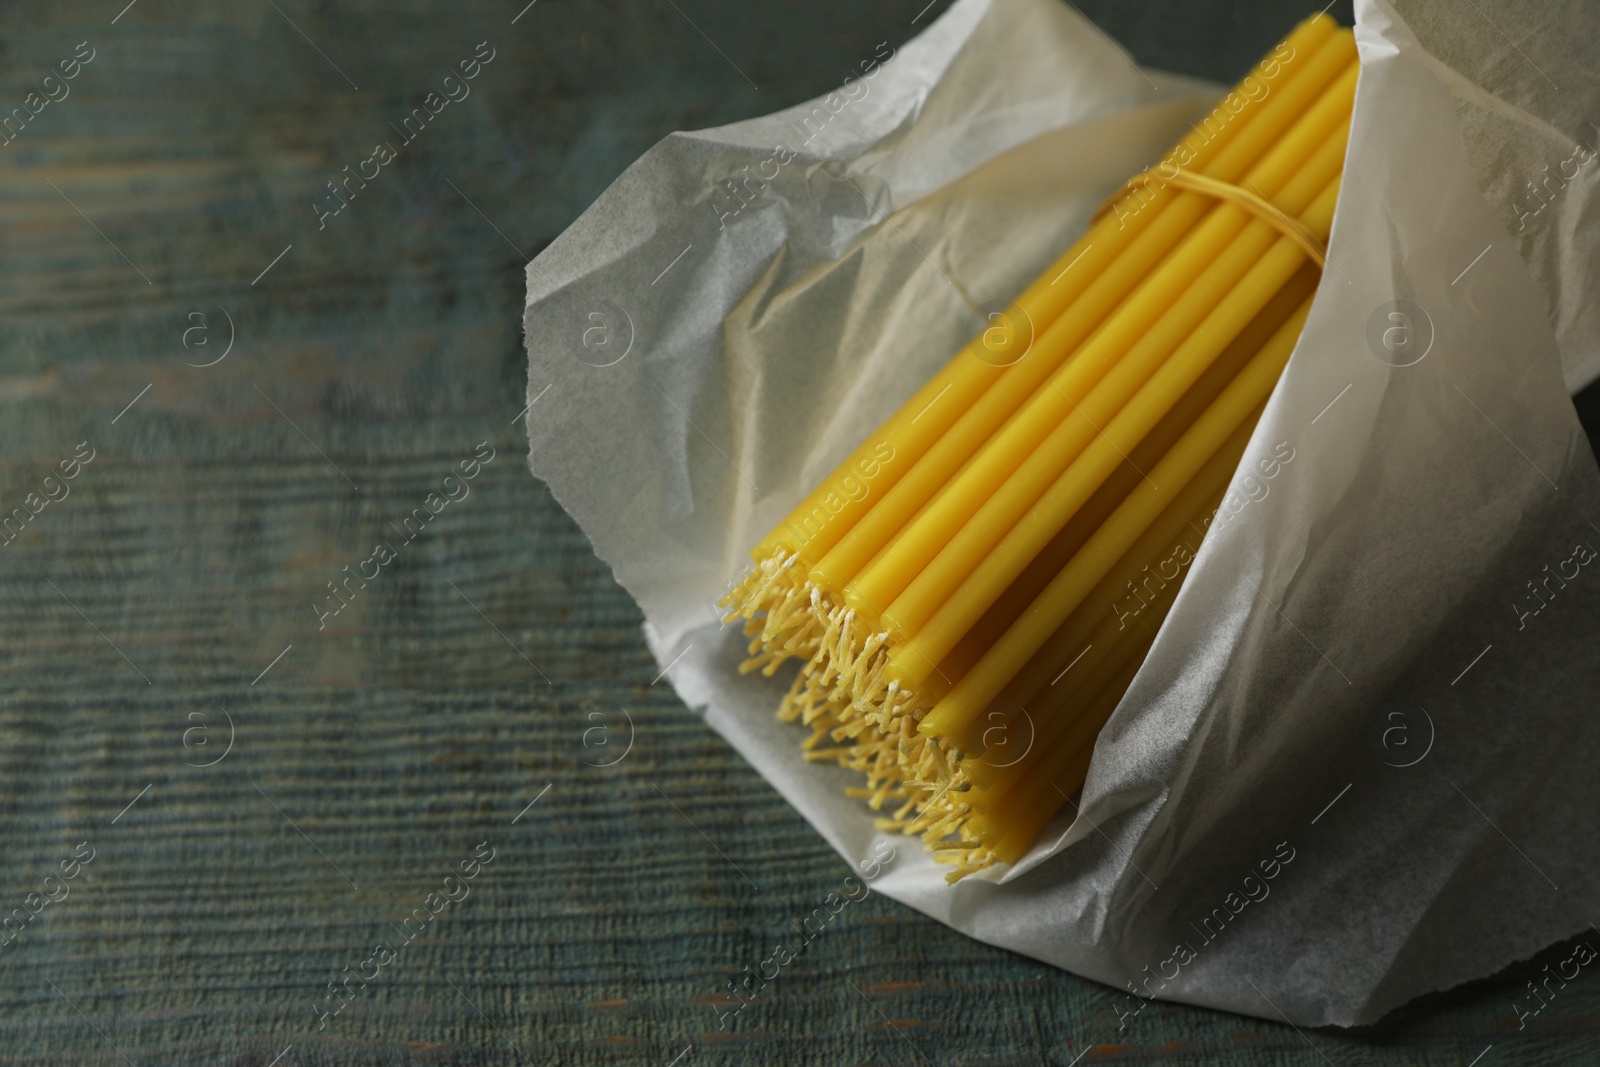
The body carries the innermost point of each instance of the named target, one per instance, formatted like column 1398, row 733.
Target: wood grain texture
column 173, row 590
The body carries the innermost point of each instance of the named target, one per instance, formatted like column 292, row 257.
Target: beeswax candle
column 1015, row 560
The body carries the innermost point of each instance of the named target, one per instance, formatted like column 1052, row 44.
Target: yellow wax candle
column 1106, row 283
column 1012, row 825
column 1282, row 107
column 1001, row 497
column 1056, row 712
column 1098, row 637
column 993, row 783
column 1065, row 544
column 828, row 512
column 1070, row 641
column 1066, row 592
column 1129, row 592
column 1013, row 794
column 1052, row 407
column 1061, row 668
column 995, row 545
column 1062, row 547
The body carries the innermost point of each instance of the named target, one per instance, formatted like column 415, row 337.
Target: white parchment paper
column 1357, row 765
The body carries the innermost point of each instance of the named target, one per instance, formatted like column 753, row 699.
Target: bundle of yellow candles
column 968, row 625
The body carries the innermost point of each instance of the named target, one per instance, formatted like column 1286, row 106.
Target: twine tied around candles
column 1250, row 201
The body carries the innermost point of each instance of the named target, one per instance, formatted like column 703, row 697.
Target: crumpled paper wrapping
column 1357, row 764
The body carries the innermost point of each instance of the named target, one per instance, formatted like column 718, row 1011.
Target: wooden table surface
column 254, row 778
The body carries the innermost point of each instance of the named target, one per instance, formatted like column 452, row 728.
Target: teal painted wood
column 181, row 584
